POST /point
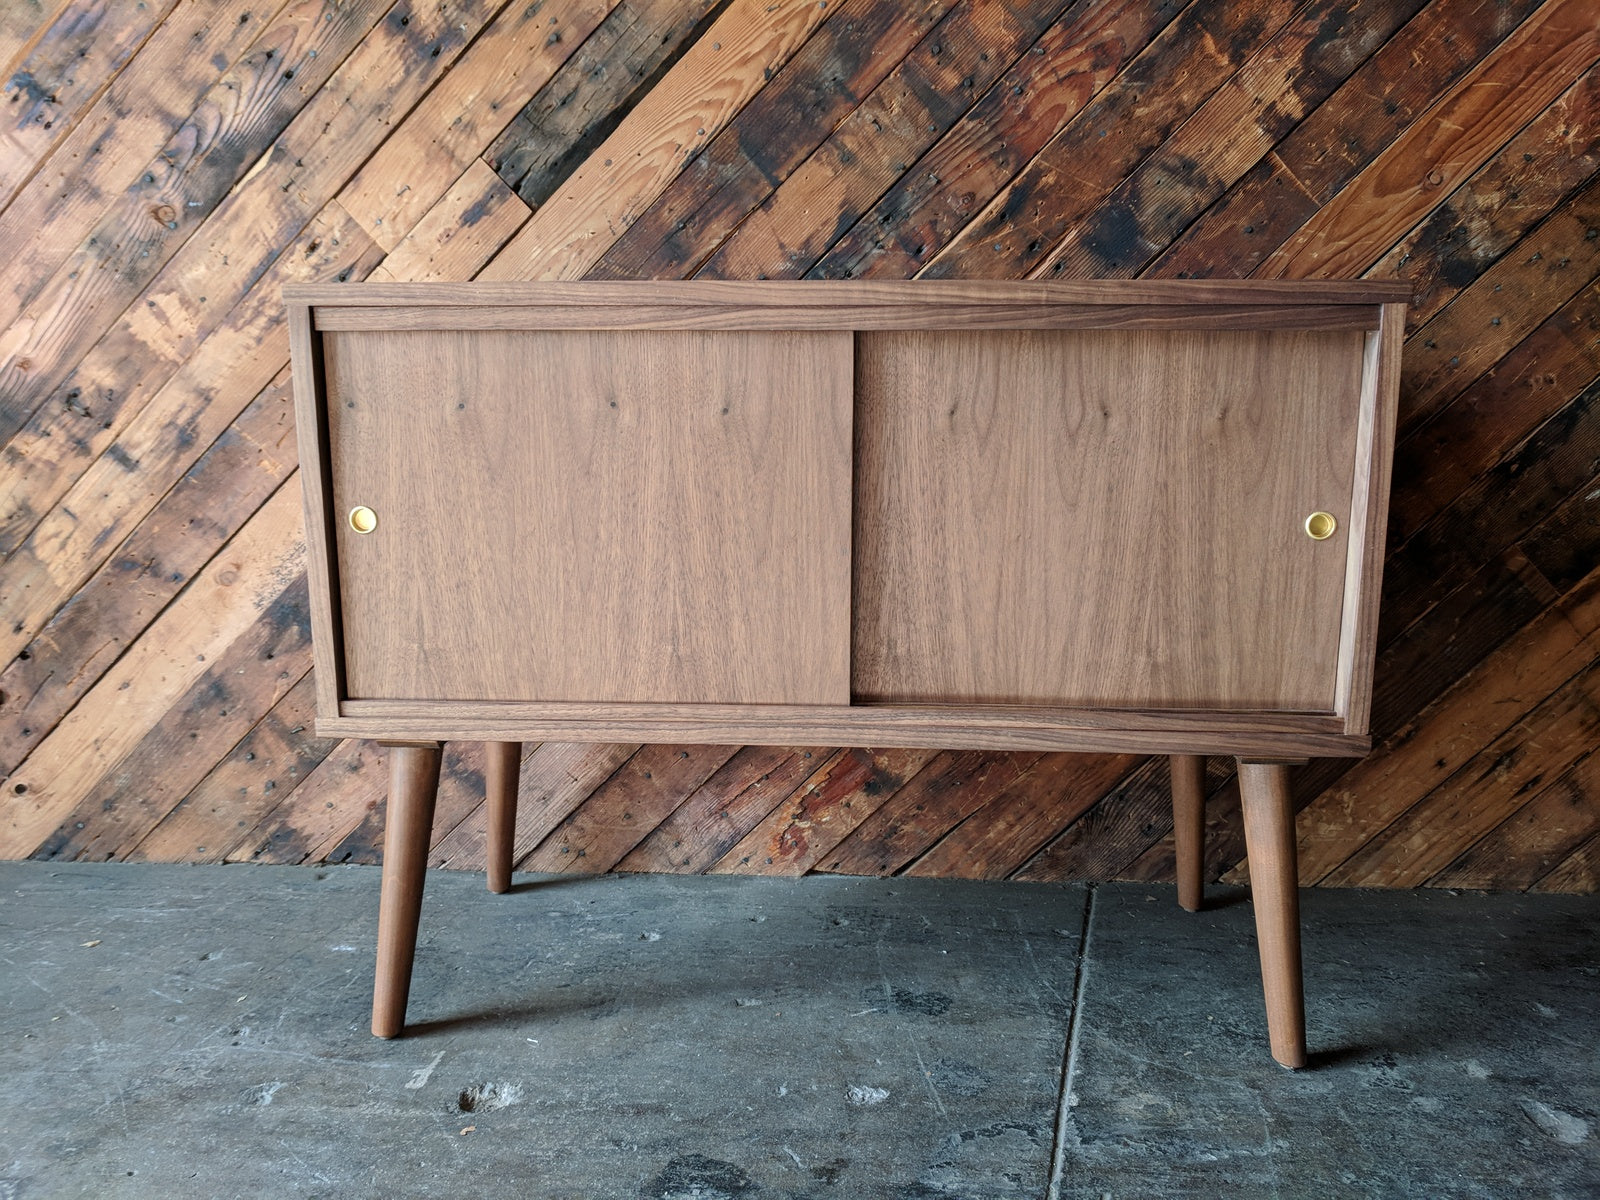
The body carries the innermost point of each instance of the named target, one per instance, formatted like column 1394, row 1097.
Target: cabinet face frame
column 1377, row 310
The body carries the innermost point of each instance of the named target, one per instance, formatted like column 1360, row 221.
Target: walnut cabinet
column 1116, row 516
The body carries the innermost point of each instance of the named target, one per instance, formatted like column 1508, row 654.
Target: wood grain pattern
column 926, row 93
column 632, row 167
column 764, row 144
column 1451, row 141
column 1269, row 830
column 147, row 421
column 992, row 727
column 972, row 448
column 523, row 561
column 516, row 55
column 71, row 65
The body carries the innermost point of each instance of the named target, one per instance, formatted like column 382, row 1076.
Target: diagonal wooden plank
column 218, row 605
column 1565, row 545
column 1011, row 828
column 1341, row 137
column 515, row 56
column 631, row 168
column 1580, row 873
column 243, row 786
column 1431, row 747
column 916, row 104
column 837, row 797
column 1515, row 83
column 952, row 787
column 60, row 316
column 109, row 612
column 761, row 147
column 106, row 152
column 1443, row 455
column 1156, row 863
column 1531, row 843
column 1502, row 306
column 623, row 810
column 556, row 778
column 464, row 229
column 1016, row 118
column 1122, row 825
column 68, row 68
column 1507, row 197
column 1499, row 507
column 1494, row 782
column 350, row 781
column 1288, row 76
column 616, row 67
column 211, row 271
column 239, row 686
column 1072, row 176
column 22, row 23
column 724, row 808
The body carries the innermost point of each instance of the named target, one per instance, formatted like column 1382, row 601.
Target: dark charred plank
column 1073, row 176
column 594, row 90
column 238, row 689
column 1283, row 81
column 1063, row 71
column 725, row 808
column 926, row 94
column 844, row 60
column 1342, row 136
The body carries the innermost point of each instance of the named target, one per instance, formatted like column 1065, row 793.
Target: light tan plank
column 471, row 221
column 513, row 58
column 1524, row 74
column 217, row 607
column 632, row 167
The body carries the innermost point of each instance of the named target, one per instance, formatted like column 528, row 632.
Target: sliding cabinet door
column 1103, row 518
column 592, row 515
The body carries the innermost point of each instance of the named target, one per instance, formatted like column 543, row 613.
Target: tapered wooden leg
column 413, row 788
column 505, row 764
column 1274, row 888
column 1189, row 827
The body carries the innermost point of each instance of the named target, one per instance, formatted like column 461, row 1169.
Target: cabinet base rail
column 1269, row 841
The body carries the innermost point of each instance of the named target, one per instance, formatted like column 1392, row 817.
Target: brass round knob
column 1320, row 526
column 363, row 519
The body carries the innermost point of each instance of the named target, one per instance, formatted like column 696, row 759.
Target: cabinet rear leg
column 500, row 778
column 1189, row 827
column 413, row 789
column 1274, row 888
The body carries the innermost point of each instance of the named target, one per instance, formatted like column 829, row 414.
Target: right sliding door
column 1102, row 518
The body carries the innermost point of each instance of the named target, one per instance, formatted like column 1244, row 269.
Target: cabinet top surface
column 804, row 294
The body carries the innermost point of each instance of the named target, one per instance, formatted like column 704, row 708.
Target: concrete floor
column 183, row 1032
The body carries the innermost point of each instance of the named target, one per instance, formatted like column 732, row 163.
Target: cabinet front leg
column 500, row 778
column 1274, row 888
column 1189, row 827
column 413, row 788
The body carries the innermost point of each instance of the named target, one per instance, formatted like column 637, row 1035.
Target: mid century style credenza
column 1116, row 517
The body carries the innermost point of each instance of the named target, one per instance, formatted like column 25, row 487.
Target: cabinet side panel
column 599, row 516
column 1113, row 519
column 1380, row 402
column 305, row 350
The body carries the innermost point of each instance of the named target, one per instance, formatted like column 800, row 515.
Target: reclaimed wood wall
column 166, row 165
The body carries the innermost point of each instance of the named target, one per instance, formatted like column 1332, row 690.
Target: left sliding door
column 592, row 515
